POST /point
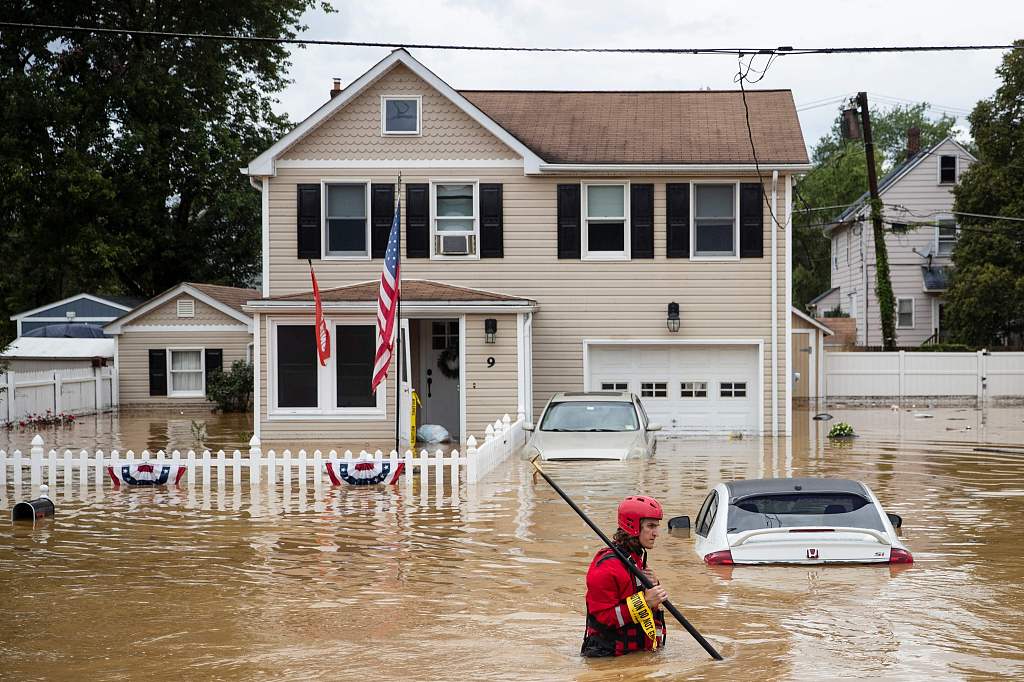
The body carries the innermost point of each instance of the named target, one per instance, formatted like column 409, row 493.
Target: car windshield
column 598, row 415
column 802, row 509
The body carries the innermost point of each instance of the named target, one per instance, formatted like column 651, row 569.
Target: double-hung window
column 606, row 221
column 947, row 170
column 186, row 372
column 456, row 225
column 302, row 387
column 346, row 220
column 904, row 313
column 716, row 221
column 945, row 237
column 400, row 115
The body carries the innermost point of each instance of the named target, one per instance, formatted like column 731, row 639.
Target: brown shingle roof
column 685, row 127
column 412, row 290
column 233, row 297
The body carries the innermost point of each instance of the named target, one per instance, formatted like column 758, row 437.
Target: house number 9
column 490, row 361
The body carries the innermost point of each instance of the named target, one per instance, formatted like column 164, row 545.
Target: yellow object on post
column 412, row 417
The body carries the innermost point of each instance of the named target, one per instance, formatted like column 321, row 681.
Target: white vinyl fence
column 901, row 374
column 207, row 469
column 73, row 391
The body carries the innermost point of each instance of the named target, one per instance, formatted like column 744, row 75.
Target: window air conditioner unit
column 455, row 245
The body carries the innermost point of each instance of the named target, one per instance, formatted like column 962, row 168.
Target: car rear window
column 597, row 415
column 802, row 509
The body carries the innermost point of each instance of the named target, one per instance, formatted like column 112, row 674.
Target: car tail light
column 897, row 556
column 723, row 558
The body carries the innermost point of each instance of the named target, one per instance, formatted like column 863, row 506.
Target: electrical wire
column 740, row 51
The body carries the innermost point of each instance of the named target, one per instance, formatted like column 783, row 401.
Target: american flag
column 387, row 304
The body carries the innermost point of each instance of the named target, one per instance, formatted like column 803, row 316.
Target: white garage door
column 703, row 389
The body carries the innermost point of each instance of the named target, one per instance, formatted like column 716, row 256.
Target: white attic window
column 186, row 307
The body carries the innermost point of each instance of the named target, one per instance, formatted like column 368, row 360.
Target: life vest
column 610, row 629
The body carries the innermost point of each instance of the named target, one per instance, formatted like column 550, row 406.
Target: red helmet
column 634, row 508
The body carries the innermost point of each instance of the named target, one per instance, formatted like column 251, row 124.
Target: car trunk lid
column 808, row 545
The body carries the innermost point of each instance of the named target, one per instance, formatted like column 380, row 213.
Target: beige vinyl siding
column 490, row 391
column 167, row 314
column 354, row 132
column 133, row 359
column 577, row 299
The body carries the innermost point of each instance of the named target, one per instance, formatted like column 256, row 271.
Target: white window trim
column 250, row 355
column 733, row 382
column 615, row 383
column 327, row 378
column 475, row 182
column 171, row 393
column 706, row 389
column 956, row 169
column 913, row 315
column 654, row 388
column 587, row 254
column 384, row 132
column 324, row 183
column 938, row 228
column 735, row 222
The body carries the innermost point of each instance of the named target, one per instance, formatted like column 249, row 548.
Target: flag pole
column 398, row 332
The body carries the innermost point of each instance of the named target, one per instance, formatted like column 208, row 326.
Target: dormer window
column 947, row 170
column 400, row 115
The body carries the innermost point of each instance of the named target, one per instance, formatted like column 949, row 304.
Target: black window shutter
column 491, row 225
column 157, row 371
column 569, row 221
column 417, row 221
column 308, row 227
column 641, row 221
column 382, row 213
column 751, row 220
column 214, row 361
column 677, row 220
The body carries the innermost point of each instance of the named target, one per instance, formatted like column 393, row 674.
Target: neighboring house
column 168, row 346
column 921, row 232
column 546, row 237
column 28, row 354
column 79, row 309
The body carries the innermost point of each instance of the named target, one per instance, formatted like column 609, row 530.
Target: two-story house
column 920, row 234
column 551, row 241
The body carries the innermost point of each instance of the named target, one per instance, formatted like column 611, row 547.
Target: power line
column 735, row 51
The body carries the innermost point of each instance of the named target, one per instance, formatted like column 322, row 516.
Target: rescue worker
column 617, row 622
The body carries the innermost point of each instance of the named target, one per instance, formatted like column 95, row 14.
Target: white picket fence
column 256, row 467
column 901, row 374
column 73, row 391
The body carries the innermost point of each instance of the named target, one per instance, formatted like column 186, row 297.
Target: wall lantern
column 673, row 317
column 490, row 329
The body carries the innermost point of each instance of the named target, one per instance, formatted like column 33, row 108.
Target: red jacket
column 610, row 627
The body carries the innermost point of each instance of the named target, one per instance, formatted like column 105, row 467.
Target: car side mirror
column 895, row 519
column 528, row 426
column 654, row 427
column 679, row 526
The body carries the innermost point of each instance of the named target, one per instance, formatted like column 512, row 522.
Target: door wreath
column 448, row 362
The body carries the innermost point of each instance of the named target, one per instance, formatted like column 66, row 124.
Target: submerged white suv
column 592, row 425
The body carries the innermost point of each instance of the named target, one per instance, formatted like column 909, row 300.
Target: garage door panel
column 729, row 401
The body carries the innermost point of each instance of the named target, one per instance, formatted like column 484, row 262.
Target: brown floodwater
column 487, row 582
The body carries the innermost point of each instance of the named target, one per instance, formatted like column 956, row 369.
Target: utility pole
column 883, row 283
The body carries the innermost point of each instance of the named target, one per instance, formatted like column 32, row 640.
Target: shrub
column 835, row 312
column 841, row 430
column 232, row 390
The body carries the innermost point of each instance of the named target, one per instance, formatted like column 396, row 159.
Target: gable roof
column 681, row 127
column 810, row 320
column 264, row 164
column 556, row 130
column 413, row 290
column 228, row 300
column 124, row 303
column 891, row 178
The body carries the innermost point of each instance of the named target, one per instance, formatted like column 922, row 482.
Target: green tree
column 986, row 299
column 119, row 154
column 840, row 176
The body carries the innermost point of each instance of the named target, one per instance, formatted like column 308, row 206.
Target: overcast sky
column 951, row 81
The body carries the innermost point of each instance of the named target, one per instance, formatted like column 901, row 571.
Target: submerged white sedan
column 796, row 521
column 592, row 425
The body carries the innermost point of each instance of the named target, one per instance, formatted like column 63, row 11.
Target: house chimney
column 336, row 89
column 913, row 141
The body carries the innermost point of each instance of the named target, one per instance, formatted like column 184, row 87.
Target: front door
column 439, row 381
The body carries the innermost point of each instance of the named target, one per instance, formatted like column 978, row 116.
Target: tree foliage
column 986, row 300
column 840, row 176
column 119, row 154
